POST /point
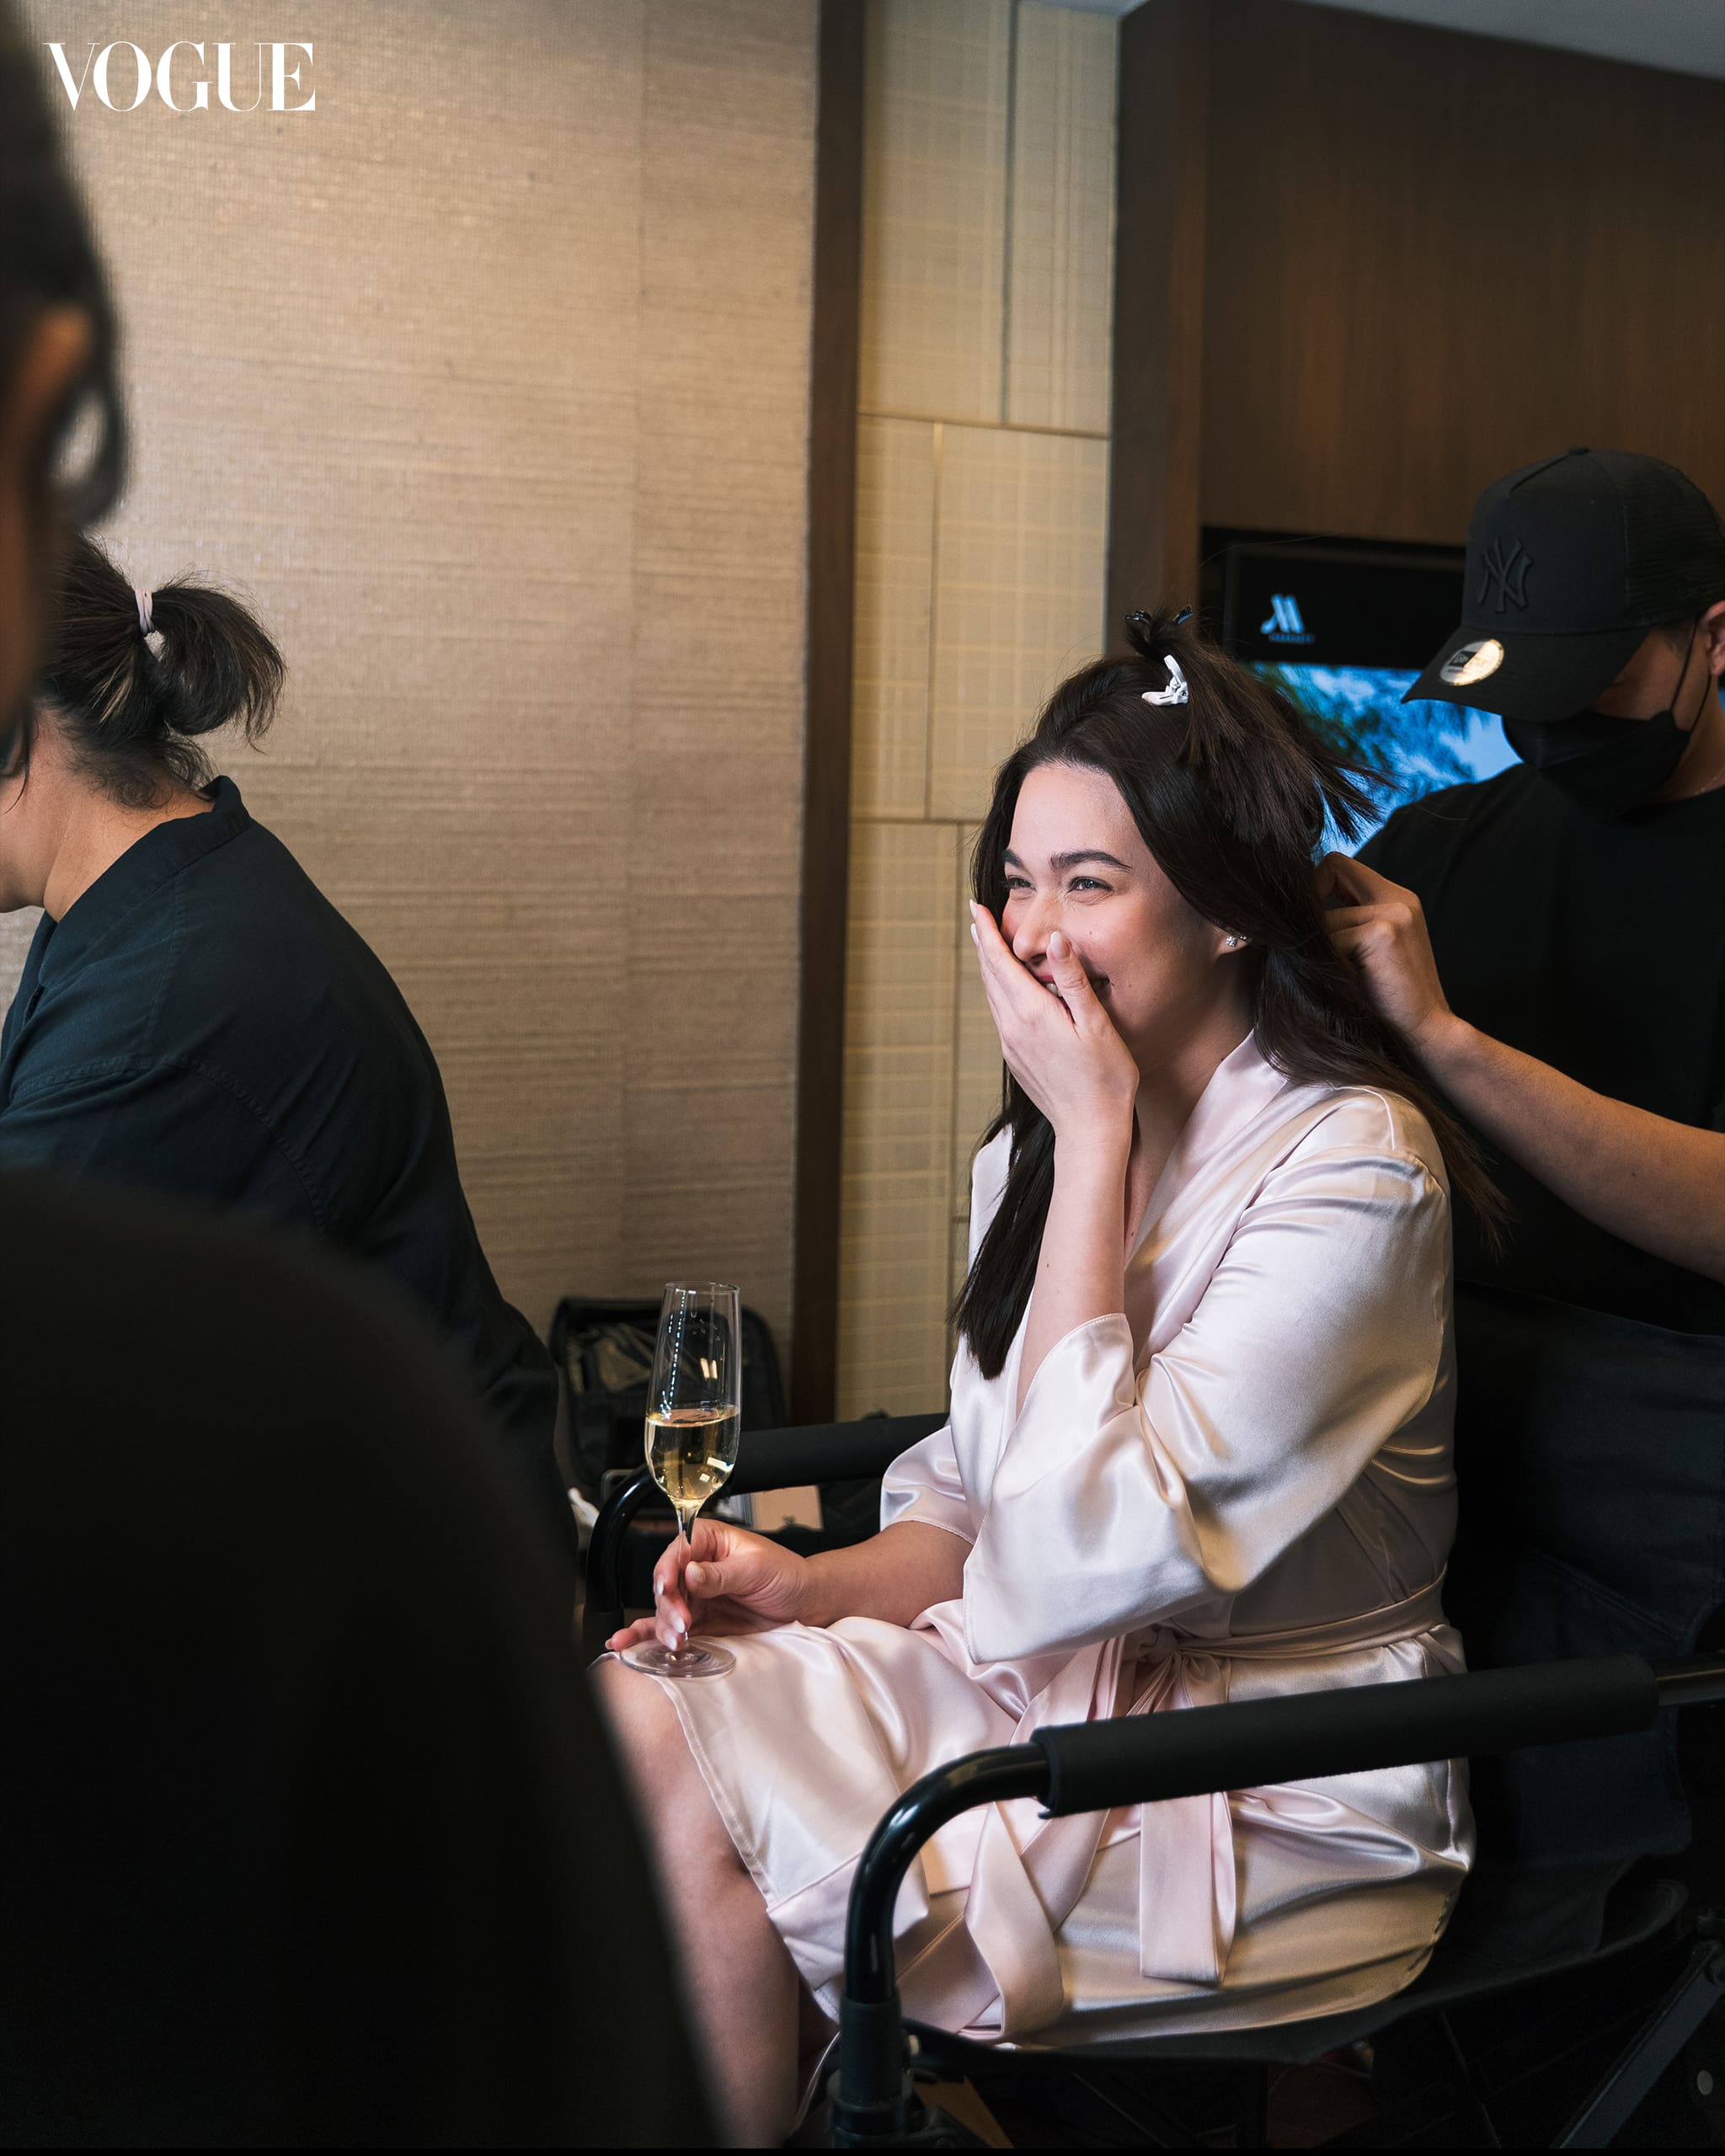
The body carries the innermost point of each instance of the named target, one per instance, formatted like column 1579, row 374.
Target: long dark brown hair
column 1231, row 792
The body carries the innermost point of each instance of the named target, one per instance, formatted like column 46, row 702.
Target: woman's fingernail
column 1058, row 947
column 974, row 937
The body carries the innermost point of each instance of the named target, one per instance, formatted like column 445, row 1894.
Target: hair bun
column 1152, row 634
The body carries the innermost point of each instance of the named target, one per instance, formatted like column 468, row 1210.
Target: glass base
column 692, row 1660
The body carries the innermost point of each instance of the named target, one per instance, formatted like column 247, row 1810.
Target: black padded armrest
column 1140, row 1759
column 826, row 1452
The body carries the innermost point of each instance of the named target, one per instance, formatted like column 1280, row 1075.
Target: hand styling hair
column 1231, row 792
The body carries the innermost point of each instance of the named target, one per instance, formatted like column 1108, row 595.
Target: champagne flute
column 694, row 1426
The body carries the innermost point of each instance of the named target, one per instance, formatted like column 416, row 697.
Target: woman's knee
column 670, row 1788
column 643, row 1722
column 648, row 1734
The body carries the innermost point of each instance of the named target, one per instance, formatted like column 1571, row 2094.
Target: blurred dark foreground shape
column 310, row 1830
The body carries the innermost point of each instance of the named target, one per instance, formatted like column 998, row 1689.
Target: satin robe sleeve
column 1123, row 1498
column 923, row 1485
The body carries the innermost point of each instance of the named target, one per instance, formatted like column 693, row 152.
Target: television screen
column 1344, row 628
column 1417, row 747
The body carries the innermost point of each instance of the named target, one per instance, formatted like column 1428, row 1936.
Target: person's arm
column 1125, row 1496
column 726, row 1580
column 1658, row 1184
column 1065, row 1051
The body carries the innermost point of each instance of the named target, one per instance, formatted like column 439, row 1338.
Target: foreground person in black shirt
column 308, row 1832
column 196, row 1017
column 1552, row 941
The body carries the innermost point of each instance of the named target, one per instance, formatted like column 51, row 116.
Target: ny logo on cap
column 1504, row 577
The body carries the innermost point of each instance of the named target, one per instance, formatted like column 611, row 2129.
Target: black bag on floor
column 603, row 1349
column 602, row 1346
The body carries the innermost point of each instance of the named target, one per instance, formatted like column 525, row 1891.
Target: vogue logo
column 125, row 83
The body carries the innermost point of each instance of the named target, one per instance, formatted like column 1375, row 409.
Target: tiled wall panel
column 976, row 1069
column 935, row 206
column 896, row 488
column 900, row 1044
column 1020, row 554
column 988, row 182
column 1061, row 273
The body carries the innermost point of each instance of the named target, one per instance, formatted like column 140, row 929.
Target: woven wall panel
column 1060, row 270
column 1019, row 561
column 934, row 221
column 896, row 462
column 488, row 381
column 16, row 930
column 894, row 1254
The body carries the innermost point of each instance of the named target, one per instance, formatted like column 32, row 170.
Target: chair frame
column 1143, row 1760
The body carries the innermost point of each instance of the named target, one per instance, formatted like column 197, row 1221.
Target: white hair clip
column 1176, row 692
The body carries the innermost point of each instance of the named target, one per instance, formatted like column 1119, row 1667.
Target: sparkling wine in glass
column 694, row 1425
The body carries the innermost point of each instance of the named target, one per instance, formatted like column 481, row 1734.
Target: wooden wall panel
column 835, row 342
column 1158, row 318
column 1433, row 258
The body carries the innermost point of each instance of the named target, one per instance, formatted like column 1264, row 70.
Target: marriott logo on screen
column 123, row 77
column 1285, row 624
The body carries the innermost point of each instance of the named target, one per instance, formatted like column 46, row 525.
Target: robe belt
column 1186, row 1876
column 1021, row 1892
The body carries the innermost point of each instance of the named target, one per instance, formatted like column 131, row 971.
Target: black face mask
column 1607, row 765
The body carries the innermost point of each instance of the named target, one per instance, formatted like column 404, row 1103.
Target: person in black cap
column 1552, row 941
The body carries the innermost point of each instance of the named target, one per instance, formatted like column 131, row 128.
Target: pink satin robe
column 1241, row 1488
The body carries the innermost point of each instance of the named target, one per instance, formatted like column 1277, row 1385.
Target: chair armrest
column 826, row 1452
column 1144, row 1758
column 768, row 1459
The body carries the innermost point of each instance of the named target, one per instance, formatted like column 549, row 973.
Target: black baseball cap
column 1570, row 563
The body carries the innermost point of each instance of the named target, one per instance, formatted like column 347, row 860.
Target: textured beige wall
column 488, row 380
column 988, row 242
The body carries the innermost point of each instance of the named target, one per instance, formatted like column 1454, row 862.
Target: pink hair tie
column 146, row 604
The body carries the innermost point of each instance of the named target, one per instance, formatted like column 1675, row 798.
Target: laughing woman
column 1198, row 1449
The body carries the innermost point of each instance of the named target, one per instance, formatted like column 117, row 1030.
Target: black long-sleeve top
column 202, row 1022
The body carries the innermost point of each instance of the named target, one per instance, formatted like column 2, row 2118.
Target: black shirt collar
column 155, row 859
